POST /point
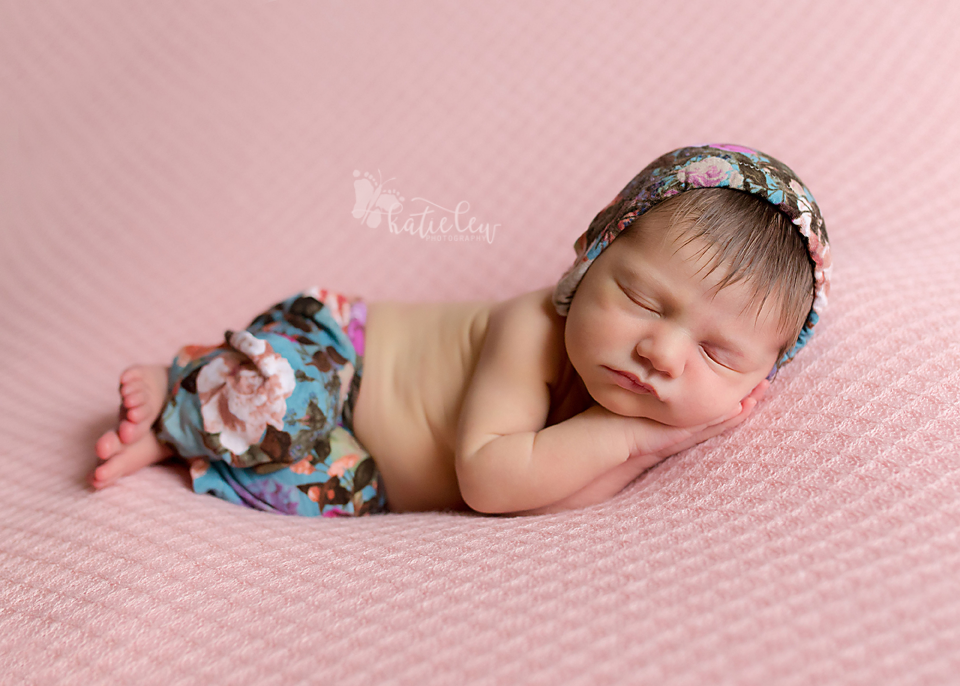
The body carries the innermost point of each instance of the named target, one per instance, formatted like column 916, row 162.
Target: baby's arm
column 506, row 460
column 610, row 484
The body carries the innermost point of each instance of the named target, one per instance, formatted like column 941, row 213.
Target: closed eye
column 719, row 356
column 643, row 302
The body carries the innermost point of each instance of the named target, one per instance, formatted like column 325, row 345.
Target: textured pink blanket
column 169, row 169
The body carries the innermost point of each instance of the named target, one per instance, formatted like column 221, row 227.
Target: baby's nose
column 665, row 351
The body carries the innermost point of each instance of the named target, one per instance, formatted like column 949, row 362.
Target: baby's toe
column 136, row 414
column 134, row 395
column 108, row 445
column 103, row 476
column 131, row 374
column 131, row 430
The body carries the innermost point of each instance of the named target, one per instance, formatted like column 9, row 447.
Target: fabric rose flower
column 243, row 391
column 340, row 466
column 709, row 173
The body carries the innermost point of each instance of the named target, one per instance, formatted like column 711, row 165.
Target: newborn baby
column 689, row 291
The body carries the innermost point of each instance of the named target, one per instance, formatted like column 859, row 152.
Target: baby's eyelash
column 644, row 305
column 712, row 354
column 642, row 302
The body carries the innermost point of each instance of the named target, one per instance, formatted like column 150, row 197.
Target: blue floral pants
column 265, row 418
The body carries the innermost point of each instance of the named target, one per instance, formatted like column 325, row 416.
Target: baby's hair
column 754, row 242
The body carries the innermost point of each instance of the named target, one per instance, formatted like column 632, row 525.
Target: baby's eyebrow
column 741, row 349
column 727, row 346
column 646, row 279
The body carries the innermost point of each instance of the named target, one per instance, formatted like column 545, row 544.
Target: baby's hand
column 658, row 441
column 652, row 443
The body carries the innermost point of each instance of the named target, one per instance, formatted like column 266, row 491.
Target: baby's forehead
column 670, row 234
column 663, row 243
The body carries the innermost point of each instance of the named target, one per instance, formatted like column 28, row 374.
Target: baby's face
column 651, row 338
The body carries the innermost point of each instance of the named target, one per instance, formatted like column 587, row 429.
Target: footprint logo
column 372, row 201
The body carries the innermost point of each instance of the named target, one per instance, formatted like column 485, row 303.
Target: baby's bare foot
column 126, row 458
column 132, row 445
column 142, row 390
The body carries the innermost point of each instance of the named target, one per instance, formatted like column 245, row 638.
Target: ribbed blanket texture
column 167, row 170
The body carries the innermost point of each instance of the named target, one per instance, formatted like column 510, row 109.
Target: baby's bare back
column 418, row 362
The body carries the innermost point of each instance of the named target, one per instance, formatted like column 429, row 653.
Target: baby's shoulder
column 528, row 312
column 527, row 328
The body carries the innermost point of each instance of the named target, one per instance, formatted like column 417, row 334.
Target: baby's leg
column 133, row 445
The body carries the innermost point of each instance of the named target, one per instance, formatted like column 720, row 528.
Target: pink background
column 169, row 169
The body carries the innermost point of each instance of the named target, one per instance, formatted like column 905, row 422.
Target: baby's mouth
column 632, row 383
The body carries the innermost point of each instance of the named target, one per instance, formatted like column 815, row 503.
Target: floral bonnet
column 709, row 166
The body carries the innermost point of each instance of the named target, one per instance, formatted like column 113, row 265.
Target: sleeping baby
column 689, row 291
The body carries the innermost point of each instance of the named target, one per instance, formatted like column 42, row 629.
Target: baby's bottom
column 265, row 418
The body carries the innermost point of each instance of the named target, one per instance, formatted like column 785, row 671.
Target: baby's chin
column 689, row 417
column 665, row 414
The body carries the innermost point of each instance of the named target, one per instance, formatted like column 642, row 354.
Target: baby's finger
column 743, row 409
column 724, row 419
column 698, row 434
column 759, row 390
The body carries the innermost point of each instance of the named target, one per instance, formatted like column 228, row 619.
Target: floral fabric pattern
column 265, row 418
column 709, row 166
column 241, row 393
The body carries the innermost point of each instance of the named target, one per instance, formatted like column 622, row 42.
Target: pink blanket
column 169, row 169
